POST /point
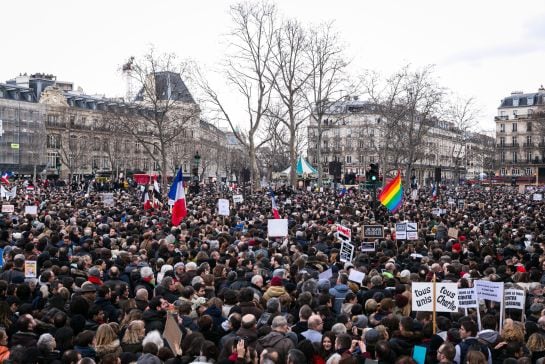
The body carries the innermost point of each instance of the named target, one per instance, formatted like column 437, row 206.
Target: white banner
column 412, row 231
column 401, row 231
column 238, row 199
column 31, row 210
column 538, row 196
column 446, row 297
column 467, row 298
column 8, row 208
column 514, row 298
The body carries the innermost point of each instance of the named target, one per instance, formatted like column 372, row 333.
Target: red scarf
column 95, row 280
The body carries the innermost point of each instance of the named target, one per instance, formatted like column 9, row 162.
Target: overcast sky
column 484, row 49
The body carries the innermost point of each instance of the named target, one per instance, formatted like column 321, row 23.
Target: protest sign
column 461, row 204
column 223, row 207
column 367, row 246
column 356, row 276
column 412, row 231
column 238, row 199
column 277, row 227
column 30, row 269
column 31, row 210
column 326, row 274
column 453, row 233
column 451, row 201
column 436, row 211
column 172, row 333
column 401, row 231
column 514, row 298
column 487, row 290
column 538, row 197
column 467, row 298
column 8, row 208
column 108, row 199
column 344, row 233
column 446, row 297
column 347, row 252
column 373, row 231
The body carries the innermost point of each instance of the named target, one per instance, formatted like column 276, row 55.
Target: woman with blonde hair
column 536, row 345
column 106, row 342
column 475, row 357
column 132, row 340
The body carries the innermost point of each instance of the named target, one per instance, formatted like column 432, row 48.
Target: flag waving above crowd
column 176, row 197
column 392, row 194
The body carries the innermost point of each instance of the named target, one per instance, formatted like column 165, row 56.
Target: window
column 137, row 147
column 514, row 157
column 514, row 126
column 529, row 140
column 54, row 141
column 502, row 128
column 503, row 171
column 53, row 159
column 515, row 102
column 528, row 157
column 502, row 141
column 348, row 159
column 73, row 142
column 528, row 171
column 514, row 141
column 362, row 159
column 515, row 172
column 52, row 119
column 529, row 125
column 530, row 101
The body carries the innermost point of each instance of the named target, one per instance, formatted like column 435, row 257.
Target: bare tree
column 327, row 63
column 75, row 148
column 167, row 107
column 290, row 78
column 248, row 69
column 463, row 114
column 409, row 103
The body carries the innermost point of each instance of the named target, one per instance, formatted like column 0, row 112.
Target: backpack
column 472, row 345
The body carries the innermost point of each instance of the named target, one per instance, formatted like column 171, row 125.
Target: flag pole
column 434, row 299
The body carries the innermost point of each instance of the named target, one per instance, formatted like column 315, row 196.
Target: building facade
column 520, row 134
column 67, row 133
column 353, row 134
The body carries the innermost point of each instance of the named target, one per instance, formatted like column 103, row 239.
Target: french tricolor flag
column 274, row 206
column 434, row 192
column 6, row 176
column 176, row 197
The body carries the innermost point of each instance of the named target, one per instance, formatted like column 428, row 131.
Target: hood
column 111, row 347
column 151, row 315
column 276, row 291
column 341, row 288
column 490, row 336
column 271, row 339
column 148, row 359
column 213, row 311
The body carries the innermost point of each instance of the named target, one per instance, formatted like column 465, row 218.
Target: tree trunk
column 293, row 160
column 319, row 157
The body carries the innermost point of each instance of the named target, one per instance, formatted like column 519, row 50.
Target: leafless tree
column 166, row 110
column 409, row 103
column 327, row 63
column 463, row 114
column 75, row 148
column 248, row 67
column 290, row 77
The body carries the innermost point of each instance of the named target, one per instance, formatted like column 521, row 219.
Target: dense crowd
column 109, row 276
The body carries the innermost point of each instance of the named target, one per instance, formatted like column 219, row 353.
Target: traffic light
column 373, row 174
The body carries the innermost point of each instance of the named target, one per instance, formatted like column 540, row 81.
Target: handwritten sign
column 223, row 207
column 514, row 298
column 238, row 199
column 373, row 231
column 8, row 208
column 347, row 252
column 446, row 297
column 31, row 210
column 344, row 233
column 487, row 290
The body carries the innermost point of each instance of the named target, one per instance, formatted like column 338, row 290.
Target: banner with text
column 446, row 297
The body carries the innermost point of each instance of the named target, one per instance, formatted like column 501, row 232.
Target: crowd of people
column 108, row 277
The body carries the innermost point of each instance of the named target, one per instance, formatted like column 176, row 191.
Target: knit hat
column 371, row 336
column 276, row 281
column 405, row 276
column 456, row 247
column 360, row 321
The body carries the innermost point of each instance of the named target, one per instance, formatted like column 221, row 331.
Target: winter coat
column 25, row 339
column 132, row 348
column 109, row 309
column 274, row 291
column 111, row 348
column 86, row 351
column 339, row 292
column 154, row 320
column 4, row 353
column 278, row 342
column 250, row 307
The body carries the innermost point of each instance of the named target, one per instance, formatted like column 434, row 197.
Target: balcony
column 508, row 146
column 528, row 145
column 502, row 117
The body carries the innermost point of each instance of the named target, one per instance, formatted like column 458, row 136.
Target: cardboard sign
column 373, row 231
column 172, row 334
column 461, row 204
column 344, row 233
column 436, row 211
column 487, row 290
column 31, row 210
column 467, row 298
column 30, row 269
column 8, row 208
column 223, row 207
column 446, row 297
column 356, row 276
column 538, row 197
column 412, row 231
column 514, row 298
column 238, row 199
column 368, row 246
column 451, row 201
column 347, row 252
column 453, row 233
column 277, row 227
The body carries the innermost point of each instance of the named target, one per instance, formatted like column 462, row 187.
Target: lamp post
column 197, row 161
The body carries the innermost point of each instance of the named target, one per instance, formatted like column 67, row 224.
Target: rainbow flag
column 392, row 194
